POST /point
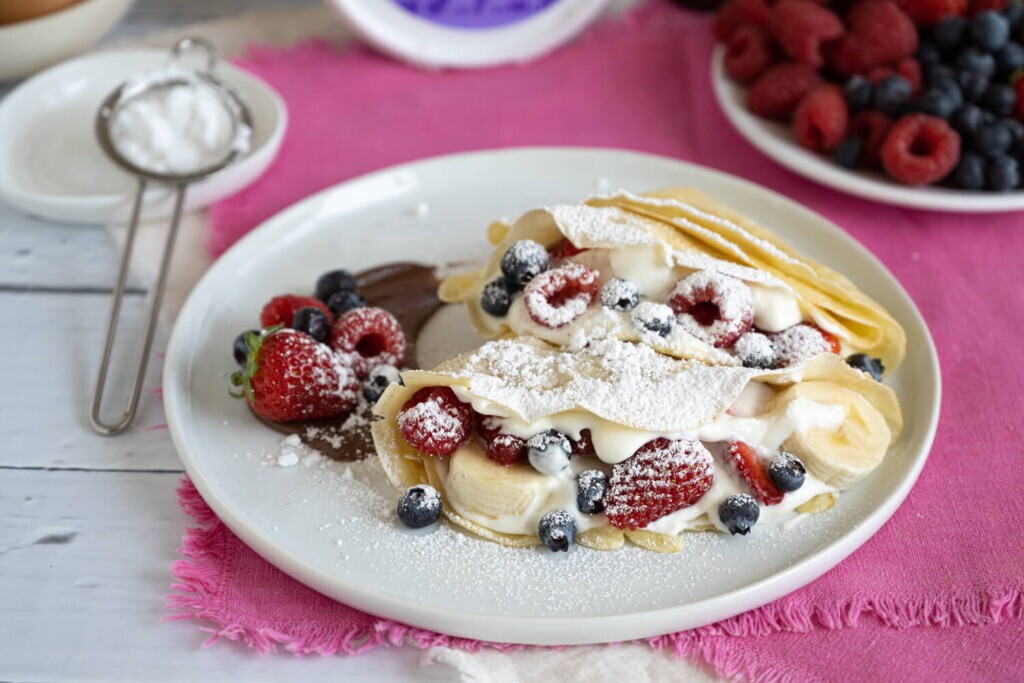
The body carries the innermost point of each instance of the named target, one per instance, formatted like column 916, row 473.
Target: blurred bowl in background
column 60, row 29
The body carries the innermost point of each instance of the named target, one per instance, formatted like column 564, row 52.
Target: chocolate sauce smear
column 409, row 292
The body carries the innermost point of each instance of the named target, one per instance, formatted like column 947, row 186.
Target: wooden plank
column 85, row 562
column 51, row 351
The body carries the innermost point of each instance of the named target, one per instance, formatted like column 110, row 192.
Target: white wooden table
column 89, row 526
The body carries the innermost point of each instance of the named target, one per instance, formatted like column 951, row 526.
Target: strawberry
column 753, row 470
column 289, row 376
column 661, row 477
column 802, row 27
column 281, row 309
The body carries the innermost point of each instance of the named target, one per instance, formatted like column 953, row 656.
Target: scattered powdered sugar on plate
column 294, row 452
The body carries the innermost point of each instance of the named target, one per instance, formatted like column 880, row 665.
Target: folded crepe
column 837, row 420
column 670, row 245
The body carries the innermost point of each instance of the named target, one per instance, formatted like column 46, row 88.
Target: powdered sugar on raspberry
column 433, row 417
column 797, row 344
column 732, row 297
column 545, row 298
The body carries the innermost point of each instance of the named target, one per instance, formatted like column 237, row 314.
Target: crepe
column 628, row 394
column 660, row 238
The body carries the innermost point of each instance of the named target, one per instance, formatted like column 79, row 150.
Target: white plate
column 776, row 141
column 297, row 517
column 28, row 46
column 51, row 164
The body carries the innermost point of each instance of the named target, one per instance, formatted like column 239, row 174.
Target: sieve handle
column 157, row 293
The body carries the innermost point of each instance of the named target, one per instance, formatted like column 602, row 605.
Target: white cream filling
column 652, row 270
column 752, row 419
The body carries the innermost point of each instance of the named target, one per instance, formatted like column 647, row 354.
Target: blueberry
column 1002, row 174
column 332, row 282
column 989, row 30
column 495, row 298
column 1016, row 129
column 1010, row 58
column 972, row 85
column 936, row 103
column 949, row 33
column 312, row 321
column 939, row 72
column 239, row 349
column 755, row 350
column 859, row 93
column 344, row 301
column 787, row 472
column 976, row 60
column 849, row 152
column 1014, row 14
column 524, row 261
column 652, row 317
column 999, row 99
column 620, row 295
column 966, row 119
column 557, row 530
column 892, row 94
column 380, row 378
column 969, row 173
column 951, row 89
column 739, row 512
column 928, row 54
column 865, row 363
column 549, row 451
column 991, row 140
column 420, row 506
column 591, row 485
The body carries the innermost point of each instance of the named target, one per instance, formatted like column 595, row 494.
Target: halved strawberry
column 663, row 476
column 753, row 470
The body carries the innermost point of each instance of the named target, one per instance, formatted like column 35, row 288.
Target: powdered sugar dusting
column 589, row 227
column 557, row 297
column 619, row 381
column 798, row 343
column 433, row 417
column 732, row 297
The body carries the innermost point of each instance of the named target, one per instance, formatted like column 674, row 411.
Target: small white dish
column 776, row 141
column 435, row 211
column 34, row 44
column 51, row 164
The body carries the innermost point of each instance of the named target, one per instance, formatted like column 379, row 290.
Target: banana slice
column 652, row 540
column 842, row 455
column 478, row 485
column 602, row 538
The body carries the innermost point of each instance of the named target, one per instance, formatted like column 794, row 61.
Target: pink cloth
column 951, row 557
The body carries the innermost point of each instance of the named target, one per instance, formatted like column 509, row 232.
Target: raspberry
column 821, row 118
column 871, row 127
column 504, row 449
column 713, row 307
column 563, row 250
column 879, row 74
column 801, row 27
column 370, row 337
column 753, row 470
column 583, row 445
column 1018, row 107
column 929, row 12
column 879, row 33
column 920, row 150
column 434, row 421
column 979, row 6
column 557, row 297
column 910, row 69
column 779, row 89
column 800, row 342
column 749, row 53
column 736, row 13
column 660, row 478
column 281, row 309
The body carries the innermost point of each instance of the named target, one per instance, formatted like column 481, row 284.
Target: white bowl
column 776, row 141
column 51, row 164
column 28, row 46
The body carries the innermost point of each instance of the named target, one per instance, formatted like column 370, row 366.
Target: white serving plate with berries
column 776, row 141
column 332, row 526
